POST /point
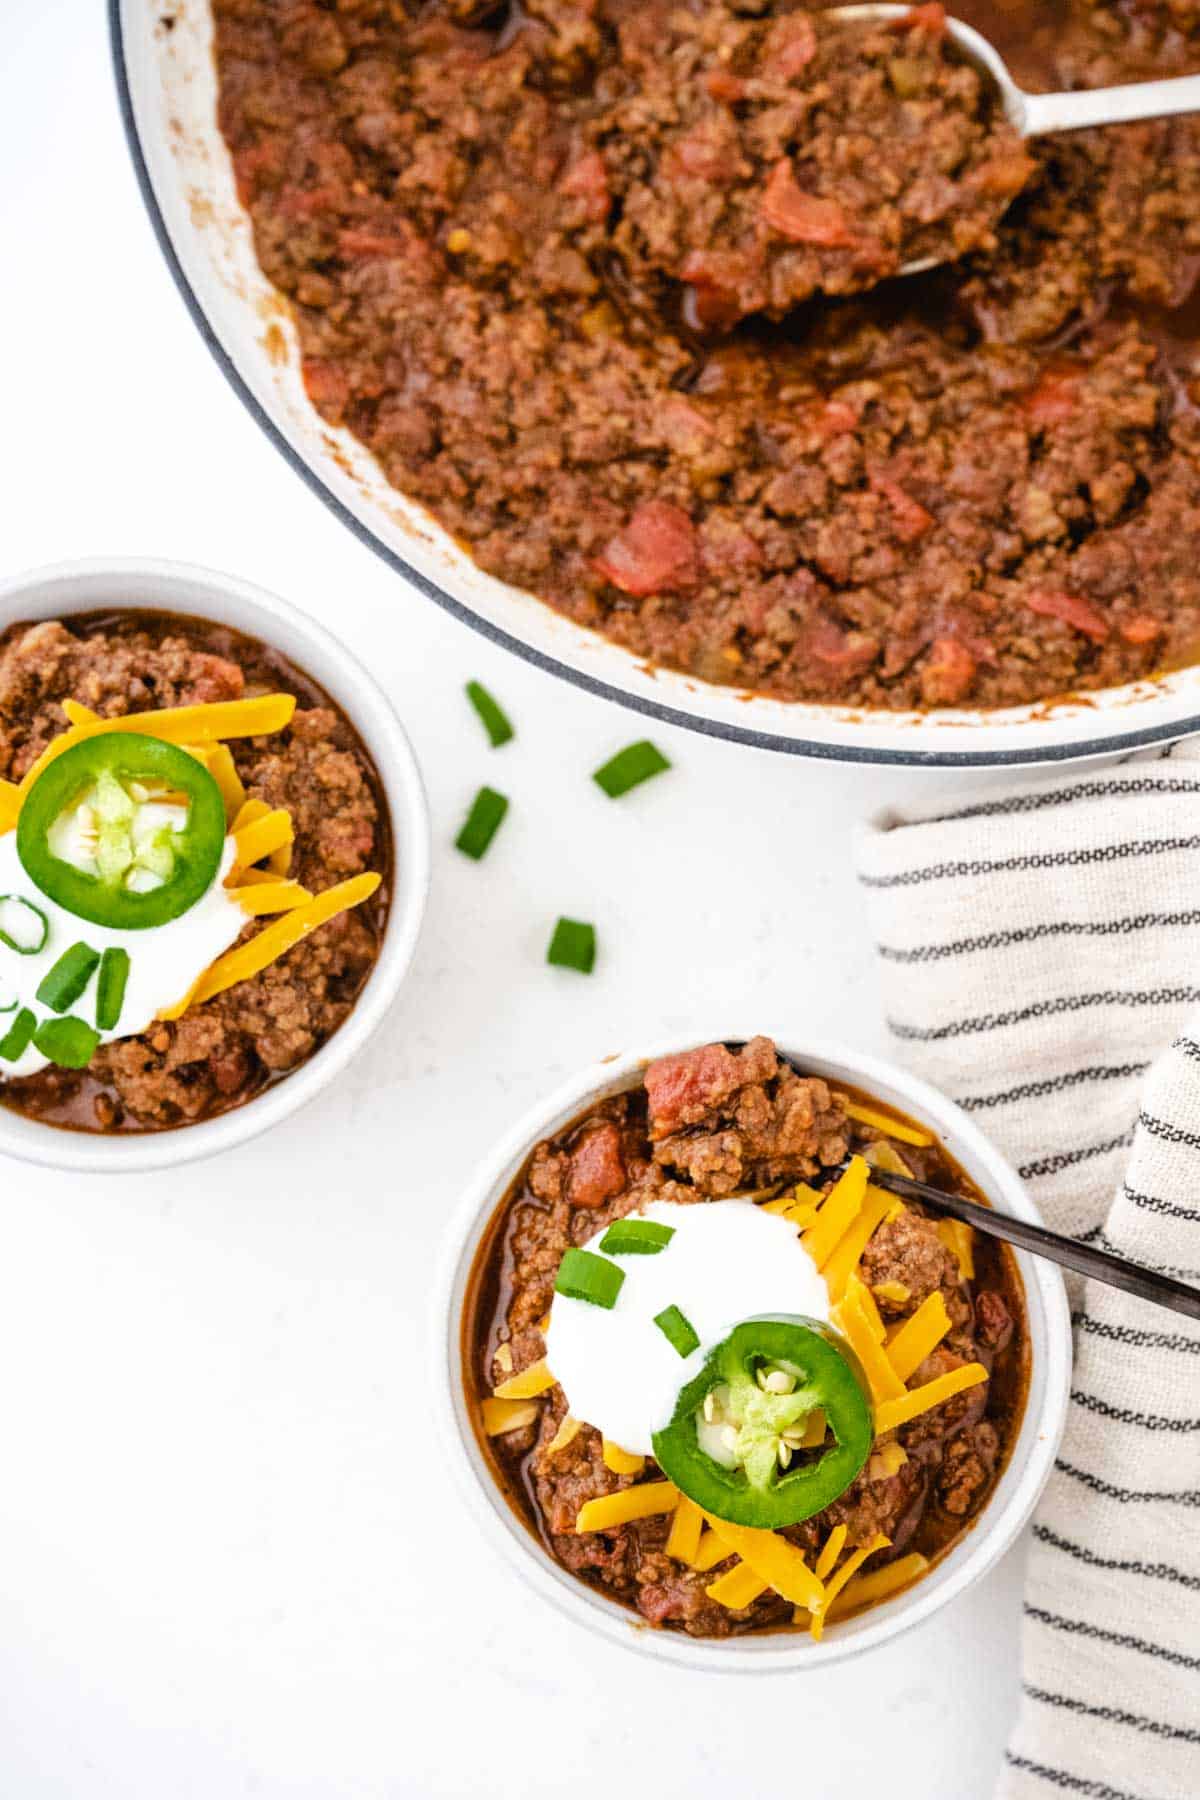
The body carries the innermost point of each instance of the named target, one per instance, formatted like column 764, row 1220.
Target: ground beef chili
column 703, row 1125
column 977, row 486
column 226, row 1051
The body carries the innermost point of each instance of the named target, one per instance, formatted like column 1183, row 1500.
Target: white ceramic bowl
column 59, row 591
column 1006, row 1512
column 167, row 89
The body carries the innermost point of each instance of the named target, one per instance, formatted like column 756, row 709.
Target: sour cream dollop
column 727, row 1261
column 164, row 961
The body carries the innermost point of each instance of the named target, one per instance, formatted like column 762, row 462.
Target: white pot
column 116, row 583
column 167, row 87
column 1007, row 1510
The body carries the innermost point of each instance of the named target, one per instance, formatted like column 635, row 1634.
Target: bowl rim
column 258, row 612
column 987, row 1540
column 1023, row 755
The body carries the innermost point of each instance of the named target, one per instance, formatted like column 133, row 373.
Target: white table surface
column 231, row 1562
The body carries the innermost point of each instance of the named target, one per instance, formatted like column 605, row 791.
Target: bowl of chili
column 216, row 839
column 655, row 1538
column 1023, row 488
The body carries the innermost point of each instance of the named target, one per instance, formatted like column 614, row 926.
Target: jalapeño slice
column 100, row 831
column 740, row 1455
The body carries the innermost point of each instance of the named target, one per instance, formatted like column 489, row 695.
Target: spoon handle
column 1100, row 1265
column 1108, row 106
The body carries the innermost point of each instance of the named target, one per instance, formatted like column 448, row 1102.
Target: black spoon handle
column 1101, row 1265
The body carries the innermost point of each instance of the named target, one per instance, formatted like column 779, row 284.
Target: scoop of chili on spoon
column 1037, row 115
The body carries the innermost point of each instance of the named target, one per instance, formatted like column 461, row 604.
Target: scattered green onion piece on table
column 573, row 946
column 585, row 1276
column 495, row 719
column 23, row 926
column 679, row 1331
column 18, row 1037
column 67, row 1042
column 110, row 988
column 61, row 987
column 483, row 822
column 636, row 1237
column 629, row 768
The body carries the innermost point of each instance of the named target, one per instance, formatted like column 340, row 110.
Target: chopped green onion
column 584, row 1276
column 19, row 1036
column 67, row 1042
column 483, row 822
column 679, row 1331
column 636, row 1237
column 573, row 946
column 495, row 719
column 62, row 986
column 7, row 1005
column 24, row 927
column 110, row 988
column 629, row 768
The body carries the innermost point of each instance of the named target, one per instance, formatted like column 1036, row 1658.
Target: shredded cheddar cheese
column 840, row 1207
column 851, row 1321
column 645, row 1501
column 270, row 896
column 10, row 804
column 218, row 760
column 245, row 960
column 737, row 1588
column 837, row 1582
column 865, row 1590
column 687, row 1522
column 566, row 1434
column 831, row 1549
column 528, row 1384
column 864, row 1299
column 178, row 725
column 918, row 1400
column 621, row 1462
column 709, row 1552
column 855, row 1239
column 777, row 1563
column 907, row 1134
column 918, row 1336
column 895, row 1291
column 959, row 1238
column 257, row 840
column 503, row 1358
column 79, row 714
column 500, row 1416
column 886, row 1461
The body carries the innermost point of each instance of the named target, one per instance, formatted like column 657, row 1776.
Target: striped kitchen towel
column 1040, row 960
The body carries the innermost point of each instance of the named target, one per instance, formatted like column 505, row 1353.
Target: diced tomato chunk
column 842, row 654
column 655, row 551
column 805, row 218
column 1140, row 629
column 326, row 385
column 793, row 46
column 909, row 517
column 597, row 1168
column 682, row 1088
column 1054, row 400
column 1003, row 177
column 833, row 418
column 1080, row 614
column 949, row 672
column 923, row 18
column 725, row 87
column 587, row 180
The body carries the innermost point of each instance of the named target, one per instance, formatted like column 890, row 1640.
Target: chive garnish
column 110, row 988
column 24, row 927
column 61, row 987
column 495, row 719
column 483, row 822
column 636, row 1237
column 629, row 768
column 678, row 1330
column 585, row 1276
column 67, row 1042
column 17, row 1039
column 573, row 946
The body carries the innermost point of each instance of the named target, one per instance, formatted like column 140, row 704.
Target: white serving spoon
column 1033, row 115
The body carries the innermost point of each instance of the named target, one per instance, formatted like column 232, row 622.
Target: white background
column 231, row 1562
